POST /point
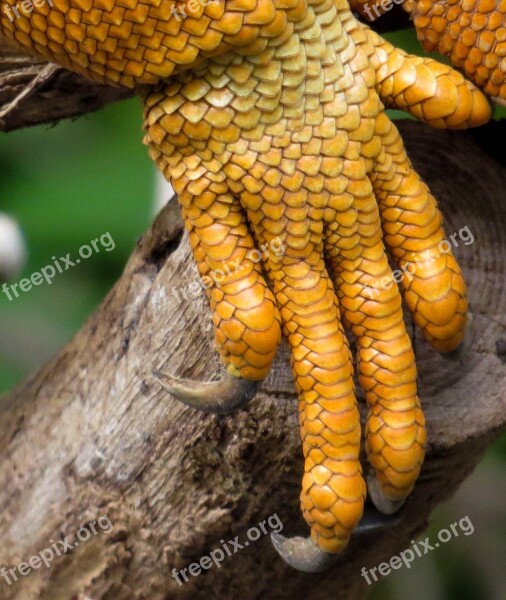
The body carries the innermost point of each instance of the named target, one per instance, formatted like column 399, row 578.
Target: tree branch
column 62, row 95
column 93, row 434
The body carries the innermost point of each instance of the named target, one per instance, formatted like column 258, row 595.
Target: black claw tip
column 302, row 553
column 217, row 397
column 373, row 521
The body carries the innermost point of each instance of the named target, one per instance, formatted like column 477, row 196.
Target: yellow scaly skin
column 268, row 118
column 472, row 33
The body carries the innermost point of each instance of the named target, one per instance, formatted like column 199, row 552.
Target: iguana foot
column 268, row 119
column 322, row 169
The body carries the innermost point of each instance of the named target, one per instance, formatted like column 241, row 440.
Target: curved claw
column 216, row 397
column 465, row 345
column 304, row 555
column 378, row 498
column 373, row 521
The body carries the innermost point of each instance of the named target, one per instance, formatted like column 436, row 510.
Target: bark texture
column 93, row 434
column 31, row 93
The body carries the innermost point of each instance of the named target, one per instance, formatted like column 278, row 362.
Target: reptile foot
column 216, row 397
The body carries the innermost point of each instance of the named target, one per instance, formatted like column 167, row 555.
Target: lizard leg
column 432, row 92
column 246, row 320
column 333, row 490
column 470, row 33
column 395, row 428
column 434, row 287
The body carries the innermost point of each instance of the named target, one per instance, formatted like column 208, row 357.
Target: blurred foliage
column 69, row 184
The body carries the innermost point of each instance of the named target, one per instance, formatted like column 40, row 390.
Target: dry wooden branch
column 49, row 99
column 93, row 434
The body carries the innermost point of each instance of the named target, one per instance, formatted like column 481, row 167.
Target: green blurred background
column 71, row 183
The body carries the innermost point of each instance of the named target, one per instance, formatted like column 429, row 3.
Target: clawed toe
column 381, row 502
column 216, row 397
column 304, row 555
column 373, row 520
